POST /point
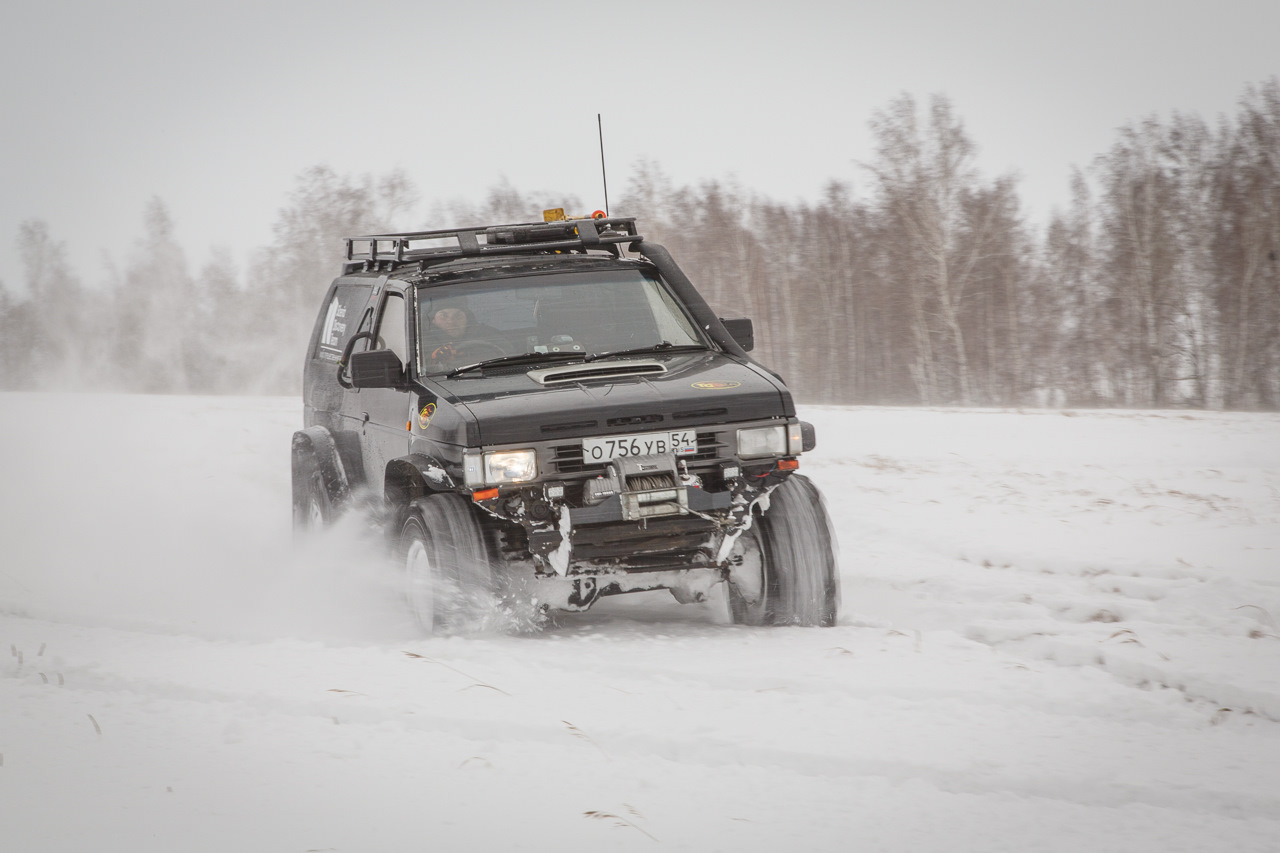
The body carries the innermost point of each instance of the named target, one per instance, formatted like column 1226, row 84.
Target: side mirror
column 379, row 368
column 741, row 330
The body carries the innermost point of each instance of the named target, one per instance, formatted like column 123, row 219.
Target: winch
column 648, row 486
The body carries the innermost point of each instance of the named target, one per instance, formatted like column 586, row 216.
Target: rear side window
column 343, row 317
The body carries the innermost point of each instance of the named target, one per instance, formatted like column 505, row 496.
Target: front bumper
column 577, row 592
column 634, row 523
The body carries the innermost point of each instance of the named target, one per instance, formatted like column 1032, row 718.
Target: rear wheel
column 784, row 566
column 448, row 570
column 312, row 508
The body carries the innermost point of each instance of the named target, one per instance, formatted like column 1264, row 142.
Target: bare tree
column 1142, row 252
column 288, row 280
column 13, row 343
column 945, row 223
column 156, row 312
column 54, row 324
column 1158, row 286
column 1246, row 252
column 1076, row 366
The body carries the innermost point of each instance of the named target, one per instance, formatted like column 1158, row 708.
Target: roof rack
column 388, row 251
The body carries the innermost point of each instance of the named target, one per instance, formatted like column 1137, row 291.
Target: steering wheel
column 471, row 345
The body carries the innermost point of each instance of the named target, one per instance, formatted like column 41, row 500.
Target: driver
column 453, row 333
column 451, row 321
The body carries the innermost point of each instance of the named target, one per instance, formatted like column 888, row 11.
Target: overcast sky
column 216, row 107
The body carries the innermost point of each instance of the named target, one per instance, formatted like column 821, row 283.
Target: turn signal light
column 484, row 494
column 788, row 464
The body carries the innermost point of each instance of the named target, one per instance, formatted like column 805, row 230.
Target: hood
column 691, row 390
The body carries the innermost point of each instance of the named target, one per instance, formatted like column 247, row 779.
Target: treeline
column 156, row 327
column 1159, row 286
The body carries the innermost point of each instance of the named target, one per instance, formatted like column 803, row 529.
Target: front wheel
column 784, row 569
column 448, row 571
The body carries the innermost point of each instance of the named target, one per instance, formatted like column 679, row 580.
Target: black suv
column 551, row 413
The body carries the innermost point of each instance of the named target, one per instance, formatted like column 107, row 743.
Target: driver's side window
column 391, row 327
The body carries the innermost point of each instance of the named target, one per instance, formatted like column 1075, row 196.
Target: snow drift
column 1059, row 633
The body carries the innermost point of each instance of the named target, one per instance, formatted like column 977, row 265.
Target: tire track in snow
column 486, row 735
column 535, row 723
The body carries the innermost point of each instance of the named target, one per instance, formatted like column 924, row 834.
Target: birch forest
column 924, row 283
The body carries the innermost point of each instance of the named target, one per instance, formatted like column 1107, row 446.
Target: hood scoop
column 596, row 370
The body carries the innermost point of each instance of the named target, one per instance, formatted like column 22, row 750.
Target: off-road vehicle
column 550, row 412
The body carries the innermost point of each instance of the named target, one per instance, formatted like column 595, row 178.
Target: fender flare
column 415, row 476
column 318, row 443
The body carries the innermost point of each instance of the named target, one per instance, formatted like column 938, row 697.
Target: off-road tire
column 793, row 547
column 447, row 565
column 312, row 507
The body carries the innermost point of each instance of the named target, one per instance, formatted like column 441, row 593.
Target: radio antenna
column 604, row 176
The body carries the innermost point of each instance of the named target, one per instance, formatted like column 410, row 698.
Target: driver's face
column 452, row 321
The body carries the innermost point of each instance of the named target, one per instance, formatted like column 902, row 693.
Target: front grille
column 711, row 445
column 567, row 458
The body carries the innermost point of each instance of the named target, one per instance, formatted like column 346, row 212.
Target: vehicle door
column 383, row 414
column 346, row 313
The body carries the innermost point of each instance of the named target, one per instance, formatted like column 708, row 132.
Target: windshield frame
column 645, row 276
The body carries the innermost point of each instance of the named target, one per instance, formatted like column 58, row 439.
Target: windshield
column 582, row 313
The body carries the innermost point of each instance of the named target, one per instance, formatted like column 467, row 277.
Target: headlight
column 762, row 441
column 510, row 466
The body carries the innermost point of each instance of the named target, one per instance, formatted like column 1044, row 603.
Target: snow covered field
column 1059, row 634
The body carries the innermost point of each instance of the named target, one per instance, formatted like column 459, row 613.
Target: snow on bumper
column 579, row 591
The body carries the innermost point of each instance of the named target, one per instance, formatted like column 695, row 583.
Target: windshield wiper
column 521, row 358
column 664, row 347
column 535, row 357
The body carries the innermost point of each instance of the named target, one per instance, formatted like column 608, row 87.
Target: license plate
column 681, row 442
